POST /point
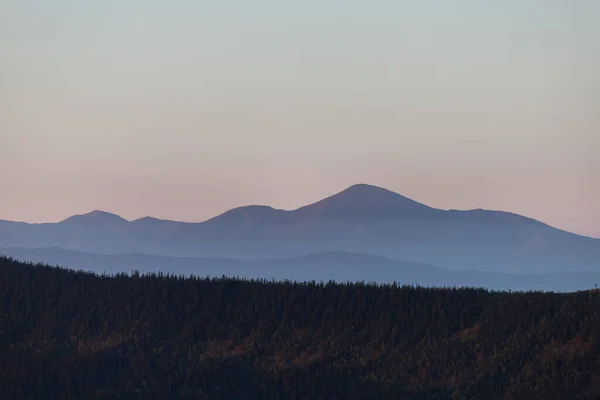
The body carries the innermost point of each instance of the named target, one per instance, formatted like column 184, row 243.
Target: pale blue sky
column 183, row 109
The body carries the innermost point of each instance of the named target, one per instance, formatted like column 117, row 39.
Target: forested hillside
column 66, row 334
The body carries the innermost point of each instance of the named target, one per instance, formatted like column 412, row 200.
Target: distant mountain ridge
column 361, row 218
column 360, row 201
column 336, row 266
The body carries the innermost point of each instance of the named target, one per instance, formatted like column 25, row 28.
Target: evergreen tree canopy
column 67, row 334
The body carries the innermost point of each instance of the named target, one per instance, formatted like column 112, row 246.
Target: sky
column 184, row 109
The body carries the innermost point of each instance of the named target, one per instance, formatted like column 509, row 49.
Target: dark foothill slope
column 76, row 335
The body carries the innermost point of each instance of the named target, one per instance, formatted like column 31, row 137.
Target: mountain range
column 360, row 219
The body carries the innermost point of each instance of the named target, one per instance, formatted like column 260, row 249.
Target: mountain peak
column 95, row 217
column 365, row 189
column 365, row 202
column 247, row 213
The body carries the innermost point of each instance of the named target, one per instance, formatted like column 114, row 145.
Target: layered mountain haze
column 360, row 219
column 322, row 267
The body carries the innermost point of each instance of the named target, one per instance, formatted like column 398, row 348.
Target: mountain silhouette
column 362, row 218
column 248, row 214
column 95, row 218
column 364, row 202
